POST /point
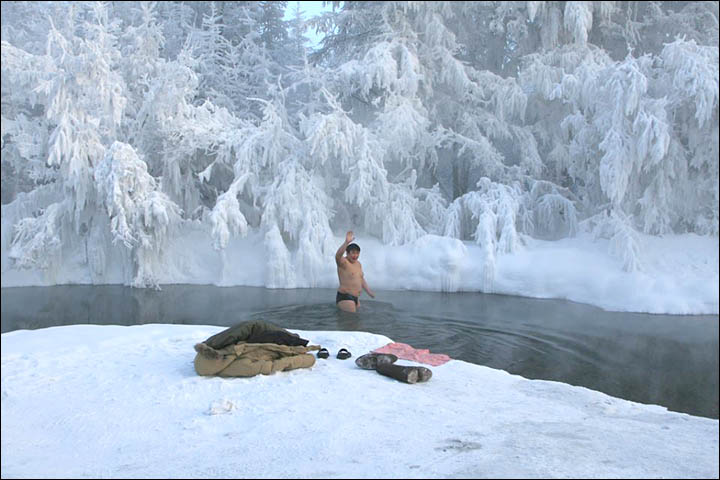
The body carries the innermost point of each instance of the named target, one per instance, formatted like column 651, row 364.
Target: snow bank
column 679, row 272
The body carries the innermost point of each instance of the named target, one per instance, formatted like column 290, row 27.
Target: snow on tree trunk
column 141, row 217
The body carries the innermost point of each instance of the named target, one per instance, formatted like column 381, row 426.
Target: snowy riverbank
column 109, row 401
column 679, row 273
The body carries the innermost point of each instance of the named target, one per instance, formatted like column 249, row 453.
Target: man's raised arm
column 349, row 237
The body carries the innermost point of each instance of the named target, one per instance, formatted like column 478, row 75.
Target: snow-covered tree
column 80, row 92
column 298, row 26
column 75, row 101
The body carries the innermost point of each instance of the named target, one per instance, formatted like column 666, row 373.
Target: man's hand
column 349, row 237
column 367, row 288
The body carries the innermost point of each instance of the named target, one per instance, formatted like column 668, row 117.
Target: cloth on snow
column 251, row 348
column 421, row 355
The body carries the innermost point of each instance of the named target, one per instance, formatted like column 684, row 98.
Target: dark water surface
column 668, row 360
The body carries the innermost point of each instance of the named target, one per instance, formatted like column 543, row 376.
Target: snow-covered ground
column 679, row 273
column 90, row 401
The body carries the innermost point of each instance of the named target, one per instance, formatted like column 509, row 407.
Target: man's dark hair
column 352, row 246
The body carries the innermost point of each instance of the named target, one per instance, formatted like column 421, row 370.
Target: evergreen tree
column 297, row 40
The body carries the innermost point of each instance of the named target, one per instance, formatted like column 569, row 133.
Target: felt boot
column 370, row 361
column 404, row 373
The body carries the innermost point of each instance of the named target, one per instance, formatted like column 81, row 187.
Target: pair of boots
column 384, row 364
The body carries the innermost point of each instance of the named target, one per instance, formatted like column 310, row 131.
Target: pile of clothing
column 251, row 348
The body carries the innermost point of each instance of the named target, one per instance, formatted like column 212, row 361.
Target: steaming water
column 667, row 360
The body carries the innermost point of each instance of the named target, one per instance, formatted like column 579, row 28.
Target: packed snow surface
column 88, row 401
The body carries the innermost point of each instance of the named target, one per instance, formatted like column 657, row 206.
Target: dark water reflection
column 667, row 360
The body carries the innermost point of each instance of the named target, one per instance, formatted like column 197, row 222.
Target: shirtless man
column 350, row 274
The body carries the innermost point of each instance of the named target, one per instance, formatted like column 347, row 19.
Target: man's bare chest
column 351, row 271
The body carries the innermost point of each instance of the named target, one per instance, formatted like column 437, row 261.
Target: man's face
column 352, row 256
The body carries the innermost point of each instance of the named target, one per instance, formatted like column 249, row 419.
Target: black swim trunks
column 345, row 296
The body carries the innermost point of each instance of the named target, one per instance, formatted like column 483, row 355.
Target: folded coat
column 243, row 351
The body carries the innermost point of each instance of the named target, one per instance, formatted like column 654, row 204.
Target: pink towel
column 405, row 351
